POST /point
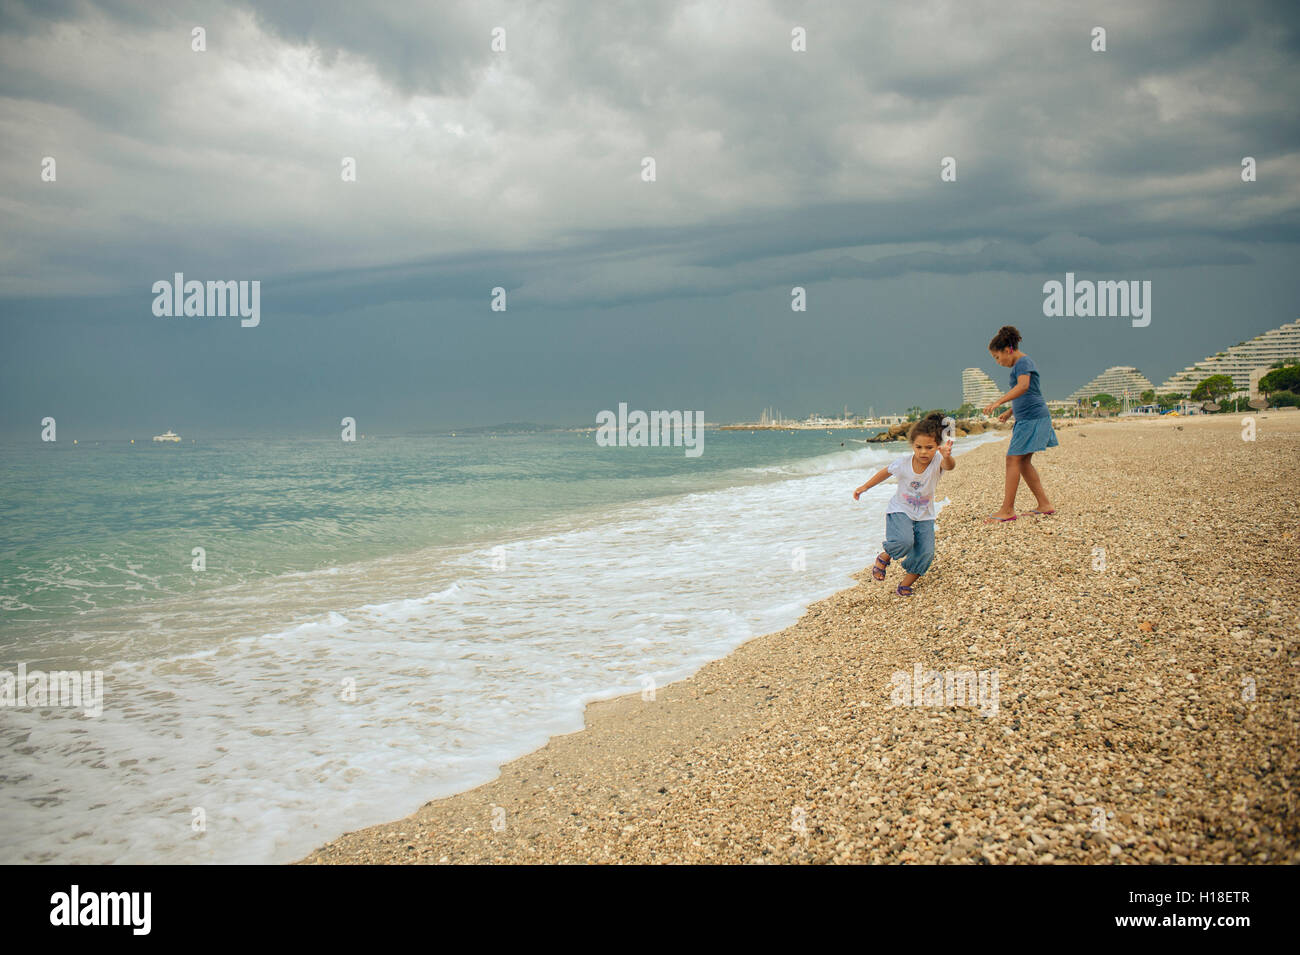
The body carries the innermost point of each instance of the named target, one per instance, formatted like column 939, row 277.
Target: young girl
column 1033, row 431
column 909, row 518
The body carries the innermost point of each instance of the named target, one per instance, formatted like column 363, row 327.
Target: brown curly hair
column 931, row 424
column 1008, row 336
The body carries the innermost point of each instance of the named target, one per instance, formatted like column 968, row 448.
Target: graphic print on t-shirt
column 915, row 494
column 915, row 498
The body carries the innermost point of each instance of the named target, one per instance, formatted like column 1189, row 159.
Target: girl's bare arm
column 1022, row 385
column 881, row 475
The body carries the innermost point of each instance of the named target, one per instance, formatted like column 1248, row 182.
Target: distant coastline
column 802, row 426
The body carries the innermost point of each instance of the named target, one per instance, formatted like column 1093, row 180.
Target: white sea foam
column 286, row 737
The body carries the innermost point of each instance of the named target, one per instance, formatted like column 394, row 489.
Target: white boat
column 168, row 435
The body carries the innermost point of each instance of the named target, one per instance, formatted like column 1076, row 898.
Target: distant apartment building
column 1118, row 381
column 977, row 388
column 1239, row 361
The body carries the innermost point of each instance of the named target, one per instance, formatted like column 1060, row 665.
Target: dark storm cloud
column 521, row 170
column 1041, row 126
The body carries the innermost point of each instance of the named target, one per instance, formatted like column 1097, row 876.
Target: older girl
column 1033, row 431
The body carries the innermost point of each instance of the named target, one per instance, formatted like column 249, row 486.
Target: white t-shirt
column 915, row 494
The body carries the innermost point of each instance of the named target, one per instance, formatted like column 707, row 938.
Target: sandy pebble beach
column 1144, row 642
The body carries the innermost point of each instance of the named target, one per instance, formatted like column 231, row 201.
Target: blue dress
column 1033, row 431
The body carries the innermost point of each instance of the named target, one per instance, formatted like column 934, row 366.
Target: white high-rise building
column 1280, row 344
column 1119, row 382
column 977, row 388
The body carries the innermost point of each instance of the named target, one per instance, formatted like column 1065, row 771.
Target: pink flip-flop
column 1044, row 513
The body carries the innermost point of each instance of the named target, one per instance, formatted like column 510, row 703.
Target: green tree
column 1213, row 388
column 967, row 410
column 1285, row 378
column 1108, row 402
column 1284, row 399
column 1149, row 396
column 913, row 412
column 1169, row 401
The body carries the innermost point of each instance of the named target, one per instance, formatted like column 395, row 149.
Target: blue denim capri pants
column 910, row 541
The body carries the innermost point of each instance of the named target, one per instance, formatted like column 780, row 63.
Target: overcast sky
column 523, row 169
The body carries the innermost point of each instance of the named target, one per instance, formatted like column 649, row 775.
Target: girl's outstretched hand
column 855, row 494
column 946, row 450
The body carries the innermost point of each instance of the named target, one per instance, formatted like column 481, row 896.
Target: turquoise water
column 100, row 525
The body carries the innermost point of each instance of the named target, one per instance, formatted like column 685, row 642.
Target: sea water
column 375, row 623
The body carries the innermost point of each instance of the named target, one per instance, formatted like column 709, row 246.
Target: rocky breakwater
column 965, row 426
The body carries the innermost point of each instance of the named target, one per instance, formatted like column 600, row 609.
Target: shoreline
column 1122, row 733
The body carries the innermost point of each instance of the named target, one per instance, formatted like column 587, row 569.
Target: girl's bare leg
column 1008, row 508
column 909, row 579
column 1030, row 474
